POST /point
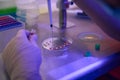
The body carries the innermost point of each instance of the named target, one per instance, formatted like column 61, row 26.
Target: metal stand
column 60, row 42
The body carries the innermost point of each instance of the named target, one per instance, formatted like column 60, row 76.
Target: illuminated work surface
column 72, row 63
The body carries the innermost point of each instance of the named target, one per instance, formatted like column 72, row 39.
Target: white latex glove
column 22, row 57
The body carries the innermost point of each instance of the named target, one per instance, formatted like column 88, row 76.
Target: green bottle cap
column 97, row 47
column 88, row 54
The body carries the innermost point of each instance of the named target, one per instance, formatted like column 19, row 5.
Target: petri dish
column 56, row 44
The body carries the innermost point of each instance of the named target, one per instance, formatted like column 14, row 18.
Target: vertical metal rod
column 62, row 15
column 62, row 18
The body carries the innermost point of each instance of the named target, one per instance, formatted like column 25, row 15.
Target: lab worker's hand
column 22, row 57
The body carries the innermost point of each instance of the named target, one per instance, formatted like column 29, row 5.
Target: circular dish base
column 56, row 43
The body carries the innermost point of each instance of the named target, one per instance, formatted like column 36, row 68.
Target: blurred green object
column 97, row 47
column 8, row 11
column 88, row 54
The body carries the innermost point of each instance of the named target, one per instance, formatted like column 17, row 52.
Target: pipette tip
column 51, row 25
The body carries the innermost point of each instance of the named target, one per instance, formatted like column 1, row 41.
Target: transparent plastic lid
column 24, row 1
column 90, row 36
column 7, row 4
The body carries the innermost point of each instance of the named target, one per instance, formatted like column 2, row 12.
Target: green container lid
column 8, row 11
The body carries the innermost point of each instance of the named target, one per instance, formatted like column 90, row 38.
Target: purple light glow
column 82, row 71
column 76, row 69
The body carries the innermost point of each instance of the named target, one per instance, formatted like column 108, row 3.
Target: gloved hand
column 22, row 57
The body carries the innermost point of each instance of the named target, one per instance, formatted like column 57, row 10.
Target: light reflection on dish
column 89, row 36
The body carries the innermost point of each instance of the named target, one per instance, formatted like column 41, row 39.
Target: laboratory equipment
column 79, row 63
column 92, row 40
column 28, row 12
column 61, row 42
column 76, row 65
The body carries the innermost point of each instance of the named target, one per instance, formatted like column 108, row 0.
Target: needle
column 50, row 16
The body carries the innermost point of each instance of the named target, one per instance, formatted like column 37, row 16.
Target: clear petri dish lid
column 90, row 36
